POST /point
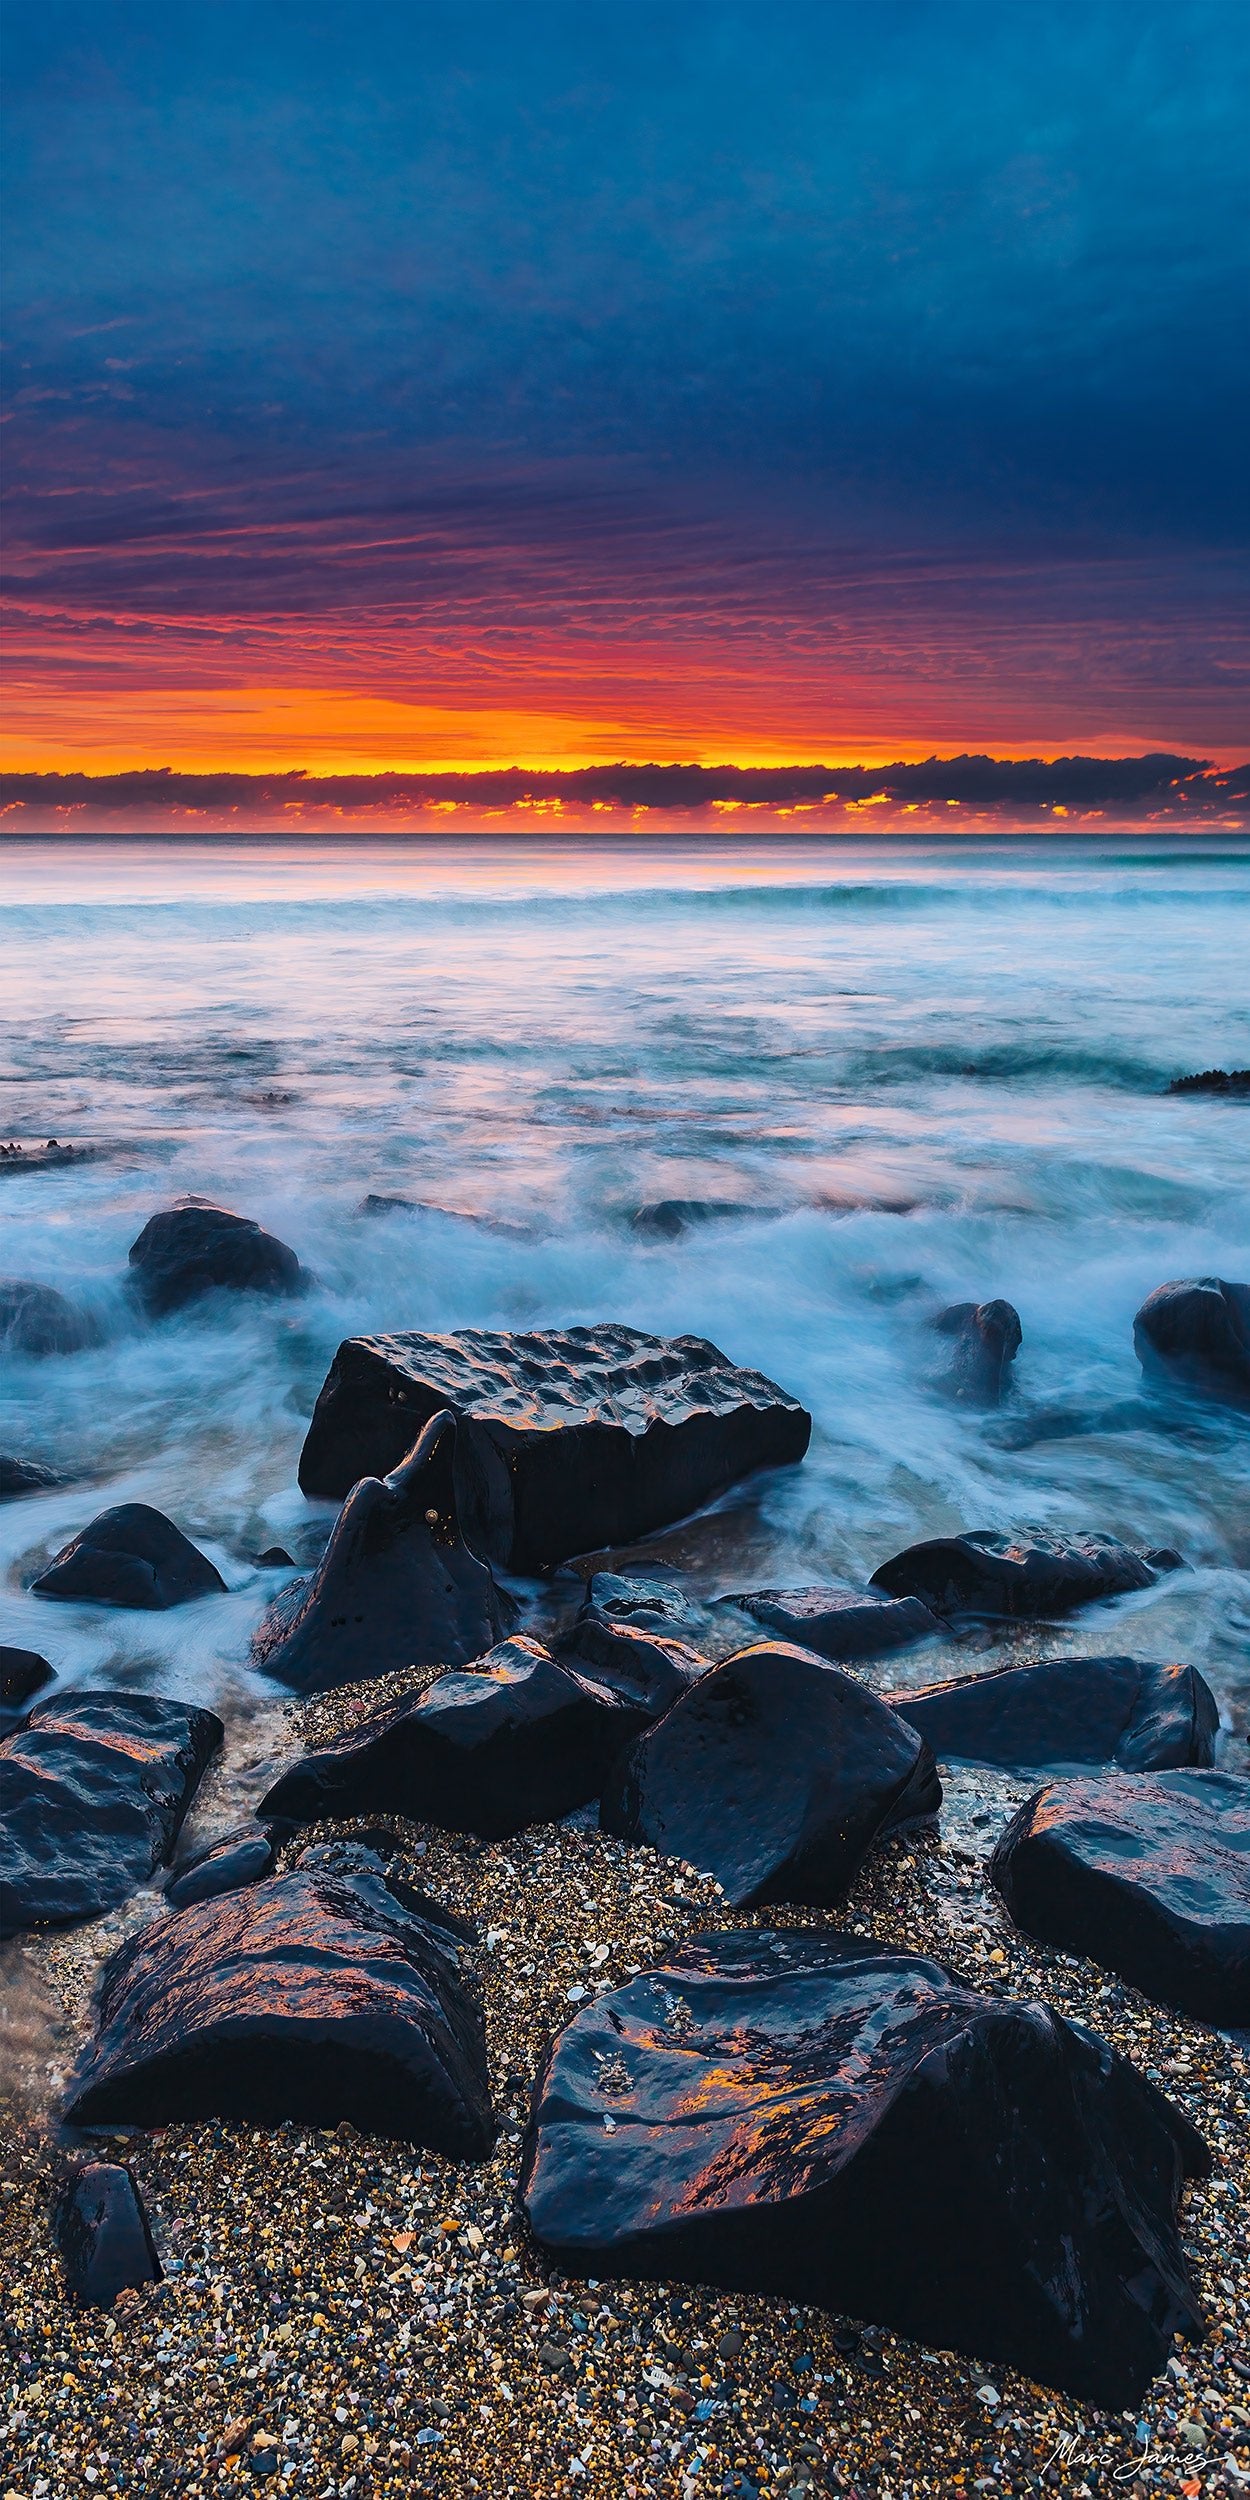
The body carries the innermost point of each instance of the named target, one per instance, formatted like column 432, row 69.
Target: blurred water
column 923, row 1072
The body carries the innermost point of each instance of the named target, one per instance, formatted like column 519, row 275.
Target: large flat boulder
column 330, row 1993
column 840, row 1622
column 788, row 2113
column 1029, row 1574
column 130, row 1556
column 95, row 1788
column 104, row 2235
column 194, row 1249
column 521, row 1738
column 397, row 1586
column 1195, row 1333
column 777, row 1773
column 572, row 1439
column 1067, row 1713
column 1149, row 1877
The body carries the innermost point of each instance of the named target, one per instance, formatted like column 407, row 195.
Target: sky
column 396, row 386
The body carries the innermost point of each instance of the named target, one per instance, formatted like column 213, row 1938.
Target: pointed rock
column 777, row 1773
column 1149, row 1877
column 325, row 1994
column 396, row 1586
column 130, row 1556
column 787, row 2113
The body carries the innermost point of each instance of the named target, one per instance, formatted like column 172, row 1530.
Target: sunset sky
column 400, row 385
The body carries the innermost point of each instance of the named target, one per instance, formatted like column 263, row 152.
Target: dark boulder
column 35, row 1319
column 649, row 1605
column 788, row 2113
column 23, row 1673
column 190, row 1250
column 1031, row 1574
column 95, row 1790
column 838, row 1622
column 130, row 1556
column 1232, row 1081
column 103, row 2235
column 571, row 1439
column 24, row 1475
column 1149, row 1877
column 646, row 1672
column 1066, row 1713
column 777, row 1773
column 986, row 1338
column 396, row 1586
column 1195, row 1333
column 518, row 1739
column 666, row 1219
column 244, row 1857
column 330, row 1993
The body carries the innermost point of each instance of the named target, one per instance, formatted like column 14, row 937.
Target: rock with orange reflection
column 1062, row 1712
column 1031, row 1574
column 332, row 1992
column 519, row 1738
column 397, row 1586
column 1149, row 1877
column 96, row 1787
column 573, row 1439
column 782, row 2112
column 775, row 1772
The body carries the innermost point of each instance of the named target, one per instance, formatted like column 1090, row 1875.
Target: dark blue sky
column 870, row 339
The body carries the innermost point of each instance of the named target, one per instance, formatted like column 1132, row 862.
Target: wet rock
column 1067, row 1713
column 1234, row 1081
column 1195, row 1332
column 795, row 2116
column 519, row 1739
column 193, row 1249
column 1149, row 1877
column 35, row 1319
column 572, row 1439
column 24, row 1475
column 645, row 1672
column 1030, row 1574
column 649, row 1605
column 244, row 1857
column 330, row 1993
column 666, row 1219
column 275, row 1558
column 986, row 1338
column 103, row 2235
column 397, row 1586
column 839, row 1622
column 95, row 1790
column 776, row 1773
column 23, row 1673
column 130, row 1556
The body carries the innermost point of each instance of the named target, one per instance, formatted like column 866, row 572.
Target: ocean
column 885, row 1075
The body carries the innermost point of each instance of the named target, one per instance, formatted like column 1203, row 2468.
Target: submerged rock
column 396, row 1586
column 666, row 1219
column 786, row 2113
column 1065, row 1713
column 243, row 1857
column 96, row 1787
column 571, row 1439
column 1195, row 1332
column 1235, row 1081
column 23, row 1673
column 330, row 1993
column 1149, row 1877
column 840, row 1622
column 776, row 1773
column 519, row 1739
column 193, row 1249
column 130, row 1556
column 103, row 2235
column 35, row 1319
column 1029, row 1574
column 986, row 1340
column 24, row 1475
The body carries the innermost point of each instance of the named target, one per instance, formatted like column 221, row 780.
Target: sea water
column 904, row 1073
